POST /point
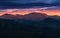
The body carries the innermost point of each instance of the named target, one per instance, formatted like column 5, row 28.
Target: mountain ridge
column 31, row 16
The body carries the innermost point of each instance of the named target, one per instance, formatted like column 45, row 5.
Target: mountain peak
column 7, row 16
column 31, row 16
column 35, row 16
column 36, row 13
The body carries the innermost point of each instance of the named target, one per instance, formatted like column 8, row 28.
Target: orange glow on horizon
column 27, row 11
column 52, row 12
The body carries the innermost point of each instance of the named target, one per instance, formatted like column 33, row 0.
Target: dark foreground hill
column 29, row 29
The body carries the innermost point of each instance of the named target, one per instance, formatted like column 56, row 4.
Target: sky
column 32, row 1
column 50, row 7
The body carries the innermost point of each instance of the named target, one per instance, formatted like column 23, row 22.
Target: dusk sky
column 30, row 18
column 50, row 7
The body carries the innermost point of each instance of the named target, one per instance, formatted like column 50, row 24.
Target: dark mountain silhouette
column 30, row 16
column 51, row 22
column 7, row 16
column 56, row 17
column 35, row 16
column 10, row 16
column 34, row 29
column 17, row 16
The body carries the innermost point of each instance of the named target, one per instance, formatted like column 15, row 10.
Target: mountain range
column 31, row 16
column 24, row 26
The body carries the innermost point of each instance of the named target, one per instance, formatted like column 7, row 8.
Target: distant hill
column 56, row 17
column 37, row 29
column 51, row 22
column 30, row 16
column 34, row 16
column 7, row 16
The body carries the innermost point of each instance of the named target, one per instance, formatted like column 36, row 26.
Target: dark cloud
column 32, row 1
column 27, row 3
column 35, row 1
